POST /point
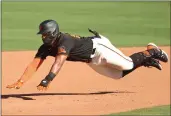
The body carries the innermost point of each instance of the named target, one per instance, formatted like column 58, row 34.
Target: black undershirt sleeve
column 65, row 46
column 42, row 52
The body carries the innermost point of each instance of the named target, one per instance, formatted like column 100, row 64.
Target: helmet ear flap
column 54, row 33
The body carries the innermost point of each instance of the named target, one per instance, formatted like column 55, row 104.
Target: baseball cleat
column 153, row 63
column 158, row 53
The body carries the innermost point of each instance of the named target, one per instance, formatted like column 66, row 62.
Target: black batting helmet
column 49, row 30
column 48, row 26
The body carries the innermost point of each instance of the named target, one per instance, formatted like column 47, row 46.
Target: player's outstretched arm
column 29, row 71
column 59, row 61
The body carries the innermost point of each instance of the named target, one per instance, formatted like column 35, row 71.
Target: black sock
column 138, row 60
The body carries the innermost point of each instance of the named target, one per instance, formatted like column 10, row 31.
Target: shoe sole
column 152, row 44
column 160, row 66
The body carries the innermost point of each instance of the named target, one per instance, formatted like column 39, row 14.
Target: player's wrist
column 50, row 76
column 44, row 83
column 20, row 81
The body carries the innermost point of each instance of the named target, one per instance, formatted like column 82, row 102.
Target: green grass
column 158, row 110
column 124, row 23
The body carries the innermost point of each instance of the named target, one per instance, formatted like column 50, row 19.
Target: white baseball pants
column 108, row 60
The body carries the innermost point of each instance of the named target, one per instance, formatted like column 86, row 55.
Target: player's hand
column 16, row 85
column 44, row 85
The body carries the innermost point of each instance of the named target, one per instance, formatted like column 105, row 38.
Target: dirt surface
column 78, row 90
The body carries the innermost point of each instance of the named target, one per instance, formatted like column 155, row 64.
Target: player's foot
column 157, row 53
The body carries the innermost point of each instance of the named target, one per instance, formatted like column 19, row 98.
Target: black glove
column 44, row 83
column 95, row 33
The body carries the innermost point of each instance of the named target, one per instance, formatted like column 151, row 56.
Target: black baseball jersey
column 77, row 48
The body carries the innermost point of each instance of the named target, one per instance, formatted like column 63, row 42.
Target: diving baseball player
column 97, row 51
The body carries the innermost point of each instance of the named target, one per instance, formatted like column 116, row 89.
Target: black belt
column 95, row 33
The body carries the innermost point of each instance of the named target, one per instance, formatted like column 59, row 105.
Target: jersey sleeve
column 65, row 46
column 42, row 52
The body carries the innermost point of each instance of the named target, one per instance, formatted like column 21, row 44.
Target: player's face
column 47, row 38
column 45, row 35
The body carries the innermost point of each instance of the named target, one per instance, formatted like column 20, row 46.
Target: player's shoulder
column 43, row 47
column 66, row 36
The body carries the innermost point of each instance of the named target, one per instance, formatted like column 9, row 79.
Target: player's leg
column 152, row 55
column 102, row 66
column 106, row 53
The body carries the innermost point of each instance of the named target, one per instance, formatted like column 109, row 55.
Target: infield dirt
column 78, row 90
